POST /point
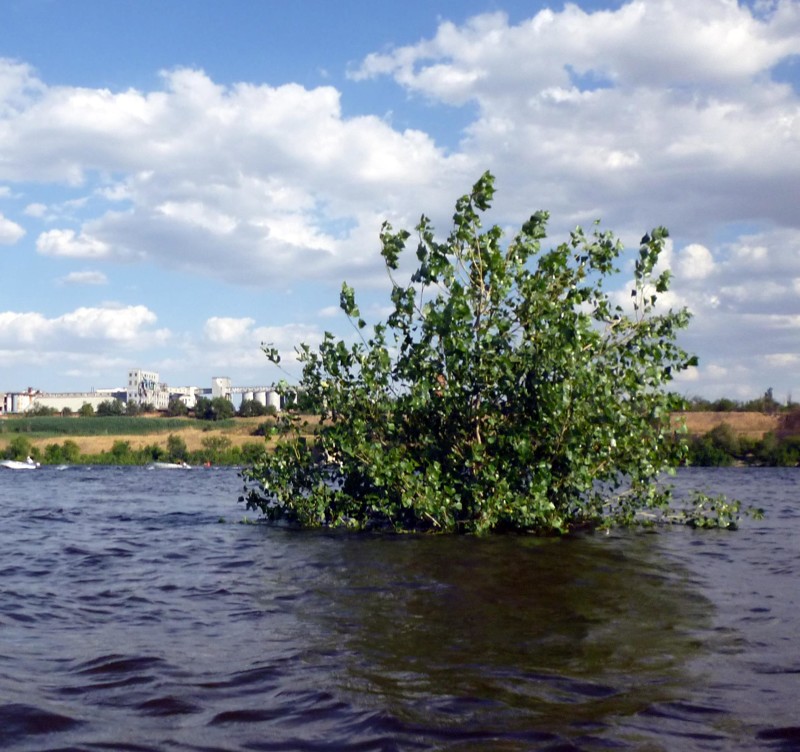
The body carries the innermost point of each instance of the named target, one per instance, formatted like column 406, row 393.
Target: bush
column 505, row 390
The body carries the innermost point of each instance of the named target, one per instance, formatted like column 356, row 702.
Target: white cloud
column 10, row 232
column 654, row 112
column 108, row 325
column 222, row 330
column 695, row 262
column 36, row 210
column 84, row 278
column 68, row 243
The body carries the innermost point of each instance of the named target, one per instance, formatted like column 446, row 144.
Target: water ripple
column 131, row 619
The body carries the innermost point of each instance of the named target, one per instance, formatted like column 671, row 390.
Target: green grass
column 46, row 426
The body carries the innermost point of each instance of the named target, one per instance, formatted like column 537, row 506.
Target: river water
column 137, row 612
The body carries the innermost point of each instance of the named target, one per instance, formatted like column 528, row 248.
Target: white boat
column 29, row 464
column 169, row 466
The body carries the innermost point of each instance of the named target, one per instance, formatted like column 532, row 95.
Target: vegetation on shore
column 506, row 390
column 733, row 442
column 115, row 436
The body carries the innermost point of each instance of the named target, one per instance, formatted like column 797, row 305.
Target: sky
column 183, row 181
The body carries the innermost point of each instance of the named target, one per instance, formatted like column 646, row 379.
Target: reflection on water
column 132, row 618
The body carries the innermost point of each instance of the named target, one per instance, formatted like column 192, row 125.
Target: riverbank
column 750, row 425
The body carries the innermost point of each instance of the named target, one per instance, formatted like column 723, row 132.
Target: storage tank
column 273, row 399
column 261, row 397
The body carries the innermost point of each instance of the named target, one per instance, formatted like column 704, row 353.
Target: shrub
column 506, row 389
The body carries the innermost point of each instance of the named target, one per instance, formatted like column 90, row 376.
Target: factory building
column 143, row 388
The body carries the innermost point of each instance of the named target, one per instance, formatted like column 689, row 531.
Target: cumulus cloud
column 654, row 112
column 100, row 326
column 10, row 232
column 222, row 330
column 68, row 243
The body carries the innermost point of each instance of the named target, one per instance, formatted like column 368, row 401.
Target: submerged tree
column 506, row 390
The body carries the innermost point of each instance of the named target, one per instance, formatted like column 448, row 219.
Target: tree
column 202, row 408
column 506, row 390
column 218, row 408
column 252, row 409
column 177, row 408
column 110, row 407
column 86, row 410
column 177, row 451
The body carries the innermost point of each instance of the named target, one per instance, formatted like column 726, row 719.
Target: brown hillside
column 751, row 425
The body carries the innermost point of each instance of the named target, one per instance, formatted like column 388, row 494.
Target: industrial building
column 143, row 388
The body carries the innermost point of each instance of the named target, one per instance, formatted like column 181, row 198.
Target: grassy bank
column 131, row 440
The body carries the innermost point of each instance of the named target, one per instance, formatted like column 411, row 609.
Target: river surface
column 138, row 613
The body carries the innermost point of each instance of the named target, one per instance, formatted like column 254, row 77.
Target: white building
column 145, row 388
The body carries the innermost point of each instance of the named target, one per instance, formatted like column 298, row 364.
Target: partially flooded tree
column 506, row 390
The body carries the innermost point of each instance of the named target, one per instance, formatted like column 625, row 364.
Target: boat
column 169, row 466
column 29, row 464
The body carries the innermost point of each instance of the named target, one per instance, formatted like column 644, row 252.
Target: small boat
column 170, row 466
column 29, row 464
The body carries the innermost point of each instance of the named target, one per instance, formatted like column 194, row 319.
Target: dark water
column 132, row 618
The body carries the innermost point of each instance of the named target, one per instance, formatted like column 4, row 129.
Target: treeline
column 216, row 409
column 722, row 446
column 216, row 450
column 765, row 404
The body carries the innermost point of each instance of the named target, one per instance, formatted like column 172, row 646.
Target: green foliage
column 19, row 448
column 177, row 408
column 506, row 390
column 177, row 450
column 215, row 409
column 57, row 454
column 110, row 407
column 78, row 426
column 42, row 410
column 86, row 410
column 252, row 409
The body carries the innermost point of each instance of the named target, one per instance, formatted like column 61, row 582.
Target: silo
column 247, row 397
column 273, row 399
column 261, row 397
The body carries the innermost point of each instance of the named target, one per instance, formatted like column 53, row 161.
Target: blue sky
column 180, row 181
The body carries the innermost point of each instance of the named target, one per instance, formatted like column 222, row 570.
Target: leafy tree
column 133, row 409
column 177, row 451
column 110, row 407
column 86, row 410
column 19, row 448
column 218, row 408
column 252, row 409
column 505, row 390
column 42, row 411
column 70, row 451
column 177, row 408
column 66, row 412
column 215, row 448
column 203, row 408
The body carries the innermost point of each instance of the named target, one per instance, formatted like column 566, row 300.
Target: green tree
column 19, row 448
column 218, row 408
column 202, row 408
column 177, row 408
column 70, row 451
column 86, row 410
column 110, row 407
column 252, row 409
column 177, row 451
column 505, row 390
column 215, row 448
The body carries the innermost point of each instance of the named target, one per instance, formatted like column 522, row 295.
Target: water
column 136, row 613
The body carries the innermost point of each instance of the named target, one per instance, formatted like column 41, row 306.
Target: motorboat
column 170, row 466
column 28, row 464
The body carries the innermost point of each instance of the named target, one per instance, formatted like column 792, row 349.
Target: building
column 144, row 388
